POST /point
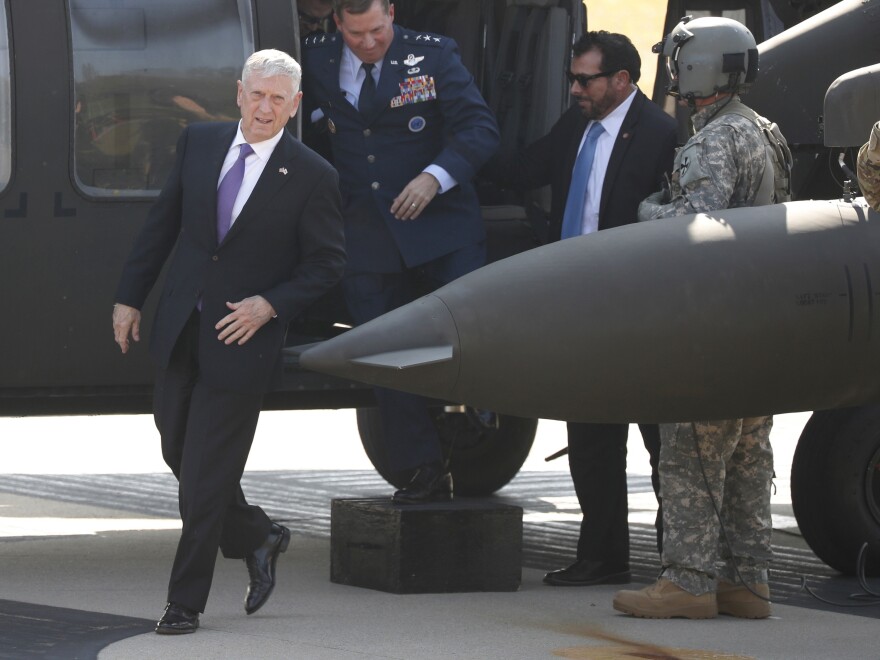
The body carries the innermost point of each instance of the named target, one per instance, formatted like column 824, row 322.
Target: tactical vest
column 776, row 188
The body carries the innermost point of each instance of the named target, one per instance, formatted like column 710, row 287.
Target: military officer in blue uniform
column 409, row 131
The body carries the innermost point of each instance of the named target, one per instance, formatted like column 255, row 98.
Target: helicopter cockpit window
column 735, row 14
column 5, row 104
column 142, row 70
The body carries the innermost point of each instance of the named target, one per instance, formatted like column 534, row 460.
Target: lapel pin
column 283, row 170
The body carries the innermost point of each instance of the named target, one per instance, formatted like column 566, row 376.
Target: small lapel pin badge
column 283, row 170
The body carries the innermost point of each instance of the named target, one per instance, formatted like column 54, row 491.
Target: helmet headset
column 708, row 56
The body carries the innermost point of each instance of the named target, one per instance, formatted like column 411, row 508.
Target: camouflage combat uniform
column 720, row 167
column 869, row 168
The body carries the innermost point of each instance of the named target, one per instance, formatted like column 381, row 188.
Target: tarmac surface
column 88, row 532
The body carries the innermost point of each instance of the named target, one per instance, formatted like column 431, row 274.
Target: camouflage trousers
column 738, row 463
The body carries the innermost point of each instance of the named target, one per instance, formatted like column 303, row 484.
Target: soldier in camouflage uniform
column 715, row 473
column 869, row 168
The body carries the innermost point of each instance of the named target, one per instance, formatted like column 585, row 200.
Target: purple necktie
column 228, row 191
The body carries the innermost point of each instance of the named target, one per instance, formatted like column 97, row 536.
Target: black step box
column 459, row 546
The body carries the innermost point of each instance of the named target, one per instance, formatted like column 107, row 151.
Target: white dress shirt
column 352, row 74
column 253, row 166
column 604, row 147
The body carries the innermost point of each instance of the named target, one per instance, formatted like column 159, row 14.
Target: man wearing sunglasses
column 314, row 17
column 601, row 158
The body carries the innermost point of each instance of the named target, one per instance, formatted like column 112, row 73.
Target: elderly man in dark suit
column 255, row 218
column 408, row 130
column 601, row 158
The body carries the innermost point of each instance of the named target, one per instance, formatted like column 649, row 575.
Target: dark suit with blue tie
column 286, row 245
column 426, row 111
column 642, row 154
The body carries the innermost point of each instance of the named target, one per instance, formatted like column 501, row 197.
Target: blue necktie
column 368, row 90
column 572, row 220
column 228, row 191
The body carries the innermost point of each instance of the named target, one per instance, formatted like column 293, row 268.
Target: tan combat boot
column 737, row 600
column 664, row 600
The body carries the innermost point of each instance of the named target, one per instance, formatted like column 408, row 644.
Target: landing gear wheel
column 486, row 450
column 835, row 486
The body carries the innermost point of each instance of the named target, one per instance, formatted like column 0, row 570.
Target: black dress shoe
column 431, row 483
column 587, row 572
column 177, row 620
column 261, row 567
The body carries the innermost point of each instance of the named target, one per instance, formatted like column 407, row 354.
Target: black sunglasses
column 312, row 20
column 583, row 79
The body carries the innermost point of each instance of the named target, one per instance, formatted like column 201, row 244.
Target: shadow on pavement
column 38, row 631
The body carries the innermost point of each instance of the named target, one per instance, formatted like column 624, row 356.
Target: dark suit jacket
column 286, row 245
column 407, row 130
column 642, row 154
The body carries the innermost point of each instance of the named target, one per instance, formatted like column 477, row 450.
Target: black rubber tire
column 482, row 460
column 835, row 486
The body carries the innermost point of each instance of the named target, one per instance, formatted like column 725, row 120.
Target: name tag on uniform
column 415, row 90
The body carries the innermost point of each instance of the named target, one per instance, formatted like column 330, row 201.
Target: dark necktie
column 368, row 90
column 572, row 220
column 228, row 191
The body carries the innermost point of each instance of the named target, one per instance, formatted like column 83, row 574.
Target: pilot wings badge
column 412, row 60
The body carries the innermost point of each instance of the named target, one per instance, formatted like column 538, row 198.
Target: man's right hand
column 126, row 320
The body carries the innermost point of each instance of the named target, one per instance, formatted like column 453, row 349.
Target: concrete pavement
column 125, row 573
column 83, row 581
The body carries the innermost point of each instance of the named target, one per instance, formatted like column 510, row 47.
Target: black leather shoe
column 587, row 572
column 177, row 620
column 261, row 567
column 431, row 483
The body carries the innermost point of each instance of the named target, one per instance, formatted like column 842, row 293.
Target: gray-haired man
column 253, row 220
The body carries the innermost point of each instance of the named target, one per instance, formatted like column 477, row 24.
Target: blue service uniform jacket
column 427, row 110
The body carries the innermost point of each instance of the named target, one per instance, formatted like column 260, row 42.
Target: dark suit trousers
column 410, row 437
column 597, row 460
column 206, row 437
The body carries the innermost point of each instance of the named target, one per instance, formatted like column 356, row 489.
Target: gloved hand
column 649, row 209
